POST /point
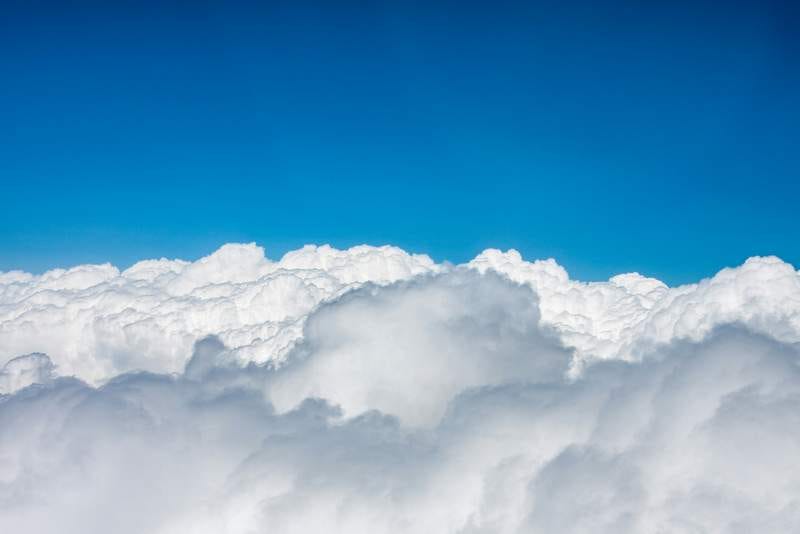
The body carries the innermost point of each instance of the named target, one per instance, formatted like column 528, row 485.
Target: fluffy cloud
column 630, row 314
column 499, row 396
column 441, row 334
column 96, row 322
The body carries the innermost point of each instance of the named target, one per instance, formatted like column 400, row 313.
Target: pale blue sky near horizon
column 612, row 136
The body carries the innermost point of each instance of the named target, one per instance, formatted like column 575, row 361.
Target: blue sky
column 611, row 136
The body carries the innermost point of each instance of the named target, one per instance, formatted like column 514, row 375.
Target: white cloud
column 439, row 403
column 22, row 371
column 95, row 322
column 439, row 335
column 624, row 317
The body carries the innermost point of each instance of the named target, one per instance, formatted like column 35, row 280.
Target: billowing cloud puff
column 96, row 322
column 440, row 334
column 624, row 317
column 494, row 397
column 25, row 370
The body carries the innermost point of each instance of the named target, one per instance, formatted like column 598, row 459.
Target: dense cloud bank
column 370, row 390
column 96, row 322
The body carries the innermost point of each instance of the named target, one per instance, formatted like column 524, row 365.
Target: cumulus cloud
column 25, row 370
column 370, row 390
column 628, row 315
column 96, row 322
column 446, row 333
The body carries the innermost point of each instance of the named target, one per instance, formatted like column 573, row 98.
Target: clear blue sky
column 612, row 136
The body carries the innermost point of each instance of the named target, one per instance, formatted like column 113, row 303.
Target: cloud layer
column 96, row 322
column 371, row 390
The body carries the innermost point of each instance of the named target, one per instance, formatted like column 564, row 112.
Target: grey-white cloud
column 451, row 399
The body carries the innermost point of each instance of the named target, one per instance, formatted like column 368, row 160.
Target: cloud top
column 96, row 322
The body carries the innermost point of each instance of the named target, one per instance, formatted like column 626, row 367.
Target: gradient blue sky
column 611, row 136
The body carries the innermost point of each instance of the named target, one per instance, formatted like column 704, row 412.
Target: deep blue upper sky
column 612, row 136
